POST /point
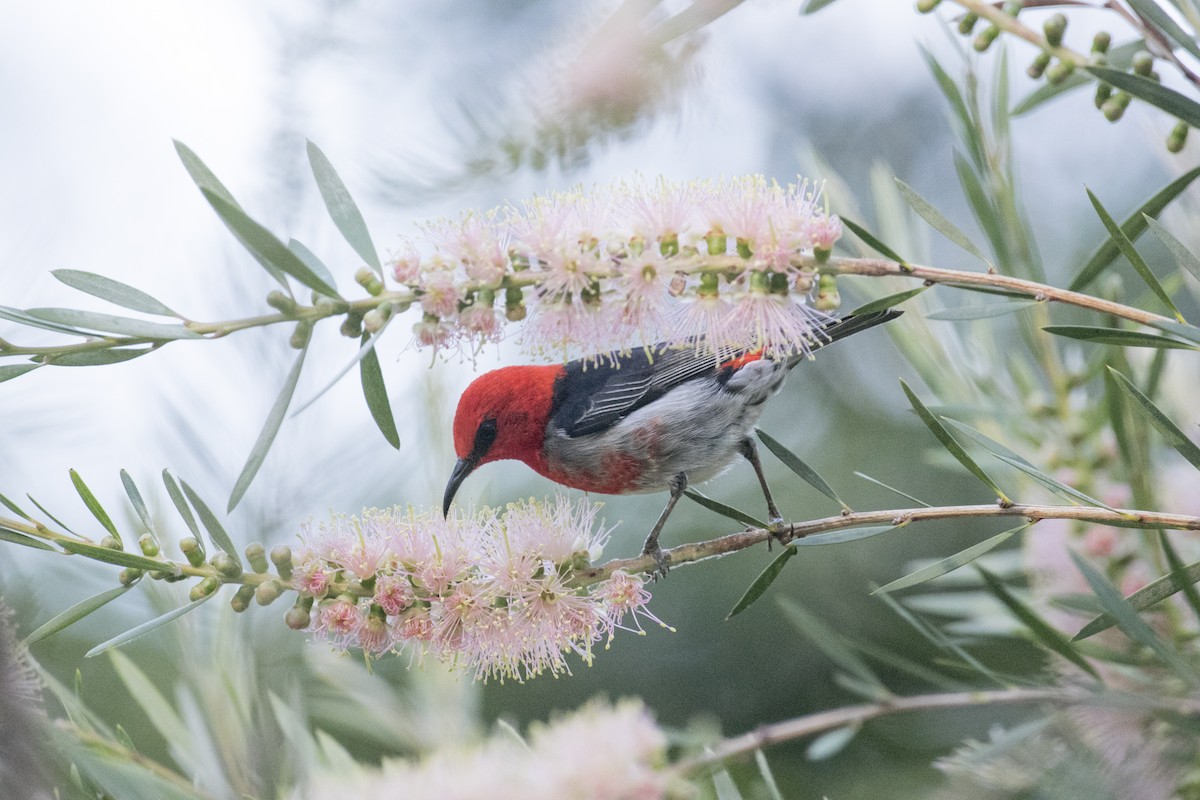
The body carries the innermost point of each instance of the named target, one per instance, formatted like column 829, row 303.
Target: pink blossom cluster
column 627, row 264
column 603, row 751
column 491, row 594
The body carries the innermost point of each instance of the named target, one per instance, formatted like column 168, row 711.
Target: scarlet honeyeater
column 644, row 421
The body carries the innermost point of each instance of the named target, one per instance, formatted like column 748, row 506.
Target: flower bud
column 148, row 544
column 281, row 302
column 717, row 242
column 828, row 298
column 1178, row 137
column 241, row 599
column 298, row 618
column 984, row 40
column 373, row 320
column 1038, row 67
column 268, row 592
column 352, row 325
column 366, row 278
column 191, row 549
column 129, row 575
column 1101, row 41
column 1114, row 107
column 1103, row 92
column 967, row 23
column 281, row 557
column 227, row 565
column 203, row 589
column 927, row 6
column 301, row 335
column 256, row 554
column 111, row 543
column 514, row 304
column 159, row 575
column 743, row 248
column 1054, row 28
column 710, row 283
column 668, row 245
column 1059, row 71
column 1142, row 63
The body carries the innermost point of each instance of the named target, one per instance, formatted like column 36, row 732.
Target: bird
column 644, row 420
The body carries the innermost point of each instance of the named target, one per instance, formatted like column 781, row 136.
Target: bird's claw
column 660, row 558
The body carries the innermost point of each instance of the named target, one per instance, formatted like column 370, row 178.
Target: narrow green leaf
column 950, row 443
column 813, row 6
column 1118, row 337
column 1186, row 258
column 53, row 518
column 893, row 489
column 764, row 771
column 1127, row 619
column 961, row 114
column 842, row 536
column 139, row 505
column 21, row 318
column 98, row 358
column 830, row 743
column 10, row 371
column 796, row 465
column 182, row 507
column 146, row 627
column 1132, row 255
column 267, row 436
column 1045, row 633
column 950, row 563
column 1113, row 398
column 972, row 287
column 723, row 786
column 762, row 582
column 156, row 706
column 724, row 510
column 342, row 208
column 118, row 557
column 935, row 218
column 871, row 241
column 311, row 261
column 941, row 641
column 368, row 346
column 16, row 537
column 1176, row 104
column 1180, row 329
column 1133, row 227
column 94, row 506
column 75, row 613
column 1169, row 430
column 1119, row 56
column 985, row 311
column 1148, row 596
column 1178, row 574
column 830, row 642
column 1155, row 14
column 113, row 291
column 107, row 323
column 265, row 246
column 13, row 507
column 211, row 523
column 375, row 392
column 887, row 302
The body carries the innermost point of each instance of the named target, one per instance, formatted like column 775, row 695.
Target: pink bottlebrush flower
column 406, row 268
column 476, row 242
column 824, row 231
column 557, row 328
column 393, row 593
column 645, row 287
column 661, row 212
column 433, row 332
column 340, row 620
column 481, row 323
column 439, row 292
column 375, row 637
column 776, row 323
column 624, row 594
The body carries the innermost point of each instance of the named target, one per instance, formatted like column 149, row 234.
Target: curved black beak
column 462, row 468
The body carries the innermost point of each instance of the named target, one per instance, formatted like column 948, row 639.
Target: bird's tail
column 842, row 327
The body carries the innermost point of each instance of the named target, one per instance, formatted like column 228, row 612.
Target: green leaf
column 813, row 6
column 20, row 317
column 830, row 743
column 893, row 489
column 1178, row 574
column 942, row 225
column 267, row 436
column 723, row 785
column 113, row 291
column 1046, row 634
column 830, row 642
column 1153, row 12
column 764, row 771
column 724, row 510
column 1180, row 329
column 94, row 506
column 312, row 261
column 10, row 371
column 1132, row 228
column 375, row 392
column 871, row 241
column 1154, row 93
column 264, row 245
column 1127, row 619
column 887, row 302
column 1134, row 257
column 950, row 563
column 118, row 557
column 842, row 536
column 16, row 537
column 75, row 613
column 342, row 208
column 53, row 518
column 949, row 442
column 1119, row 56
column 1186, row 258
column 139, row 505
column 958, row 106
column 158, row 708
column 1118, row 337
column 182, row 507
column 985, row 311
column 796, row 465
column 146, row 627
column 211, row 523
column 13, row 507
column 1148, row 596
column 368, row 346
column 762, row 582
column 1169, row 430
column 107, row 323
column 98, row 358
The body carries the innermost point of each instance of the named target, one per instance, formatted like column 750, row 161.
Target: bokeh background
column 429, row 109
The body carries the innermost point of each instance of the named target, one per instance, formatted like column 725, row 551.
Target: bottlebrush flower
column 492, row 594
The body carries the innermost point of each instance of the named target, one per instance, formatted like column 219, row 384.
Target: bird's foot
column 655, row 551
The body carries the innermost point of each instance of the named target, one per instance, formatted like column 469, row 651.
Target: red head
column 503, row 414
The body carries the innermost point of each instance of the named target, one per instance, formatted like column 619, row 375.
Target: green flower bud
column 268, row 592
column 1101, row 42
column 227, row 565
column 111, row 543
column 256, row 554
column 1114, row 108
column 828, row 298
column 203, row 589
column 717, row 241
column 298, row 617
column 241, row 599
column 927, row 6
column 352, row 325
column 710, row 284
column 281, row 557
column 300, row 335
column 191, row 549
column 967, row 23
column 1142, row 63
column 1103, row 92
column 1038, row 67
column 373, row 320
column 129, row 575
column 984, row 40
column 514, row 304
column 1059, row 71
column 281, row 302
column 669, row 245
column 148, row 544
column 366, row 278
column 1054, row 28
column 1178, row 137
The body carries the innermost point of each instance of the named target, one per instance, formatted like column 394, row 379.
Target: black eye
column 485, row 435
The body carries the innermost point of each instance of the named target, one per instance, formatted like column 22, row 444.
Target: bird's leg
column 652, row 547
column 774, row 519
